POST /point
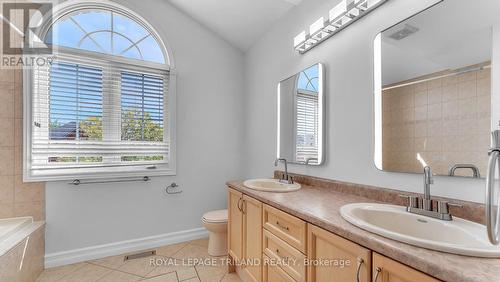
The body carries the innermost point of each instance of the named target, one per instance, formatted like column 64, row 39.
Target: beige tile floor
column 115, row 269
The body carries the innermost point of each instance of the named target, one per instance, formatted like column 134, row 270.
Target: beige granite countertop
column 321, row 207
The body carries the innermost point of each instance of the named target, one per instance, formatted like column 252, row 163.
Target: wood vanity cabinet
column 245, row 233
column 331, row 254
column 261, row 233
column 387, row 270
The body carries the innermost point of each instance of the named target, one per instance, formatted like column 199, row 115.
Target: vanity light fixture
column 342, row 15
column 316, row 29
column 300, row 38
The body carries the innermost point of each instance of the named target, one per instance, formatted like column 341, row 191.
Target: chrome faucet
column 475, row 170
column 425, row 206
column 285, row 179
column 428, row 181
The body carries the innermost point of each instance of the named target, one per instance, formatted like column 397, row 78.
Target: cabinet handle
column 244, row 206
column 378, row 270
column 282, row 227
column 358, row 270
column 239, row 201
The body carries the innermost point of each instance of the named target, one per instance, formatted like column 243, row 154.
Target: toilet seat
column 218, row 216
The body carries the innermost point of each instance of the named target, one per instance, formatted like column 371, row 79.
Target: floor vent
column 140, row 255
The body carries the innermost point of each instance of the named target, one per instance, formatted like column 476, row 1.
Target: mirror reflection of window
column 300, row 116
column 306, row 148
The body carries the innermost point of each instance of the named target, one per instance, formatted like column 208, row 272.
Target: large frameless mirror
column 433, row 90
column 300, row 116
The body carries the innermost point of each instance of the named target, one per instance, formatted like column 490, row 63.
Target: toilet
column 216, row 224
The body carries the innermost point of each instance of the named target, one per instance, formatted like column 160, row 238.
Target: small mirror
column 433, row 90
column 300, row 117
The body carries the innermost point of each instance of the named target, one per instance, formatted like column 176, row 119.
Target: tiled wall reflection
column 445, row 120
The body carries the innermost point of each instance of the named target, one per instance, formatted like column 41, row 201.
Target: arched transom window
column 101, row 109
column 107, row 32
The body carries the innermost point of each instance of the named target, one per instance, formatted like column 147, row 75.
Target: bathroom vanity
column 306, row 226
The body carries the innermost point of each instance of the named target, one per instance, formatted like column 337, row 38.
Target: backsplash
column 469, row 210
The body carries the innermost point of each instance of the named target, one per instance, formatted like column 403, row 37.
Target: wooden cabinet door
column 332, row 258
column 235, row 224
column 252, row 238
column 388, row 270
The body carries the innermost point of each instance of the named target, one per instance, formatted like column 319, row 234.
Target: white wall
column 209, row 148
column 348, row 58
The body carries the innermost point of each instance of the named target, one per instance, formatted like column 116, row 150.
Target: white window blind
column 75, row 102
column 307, row 126
column 142, row 112
column 142, row 107
column 94, row 117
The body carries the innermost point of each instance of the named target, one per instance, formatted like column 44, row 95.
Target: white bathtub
column 22, row 248
column 14, row 230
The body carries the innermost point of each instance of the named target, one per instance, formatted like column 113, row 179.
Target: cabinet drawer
column 278, row 250
column 273, row 273
column 388, row 270
column 287, row 227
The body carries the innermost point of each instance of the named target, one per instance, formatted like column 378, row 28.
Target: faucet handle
column 444, row 206
column 412, row 200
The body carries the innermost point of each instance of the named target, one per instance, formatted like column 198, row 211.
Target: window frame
column 108, row 61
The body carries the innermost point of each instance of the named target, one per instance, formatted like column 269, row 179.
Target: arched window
column 101, row 109
column 107, row 32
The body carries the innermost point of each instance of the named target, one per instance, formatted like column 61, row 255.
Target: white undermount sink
column 270, row 185
column 458, row 236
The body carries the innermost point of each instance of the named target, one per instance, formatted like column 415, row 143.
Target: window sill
column 118, row 173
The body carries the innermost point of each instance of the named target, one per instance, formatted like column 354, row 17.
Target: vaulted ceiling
column 240, row 22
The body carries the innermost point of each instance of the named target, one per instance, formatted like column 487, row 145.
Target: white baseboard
column 112, row 249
